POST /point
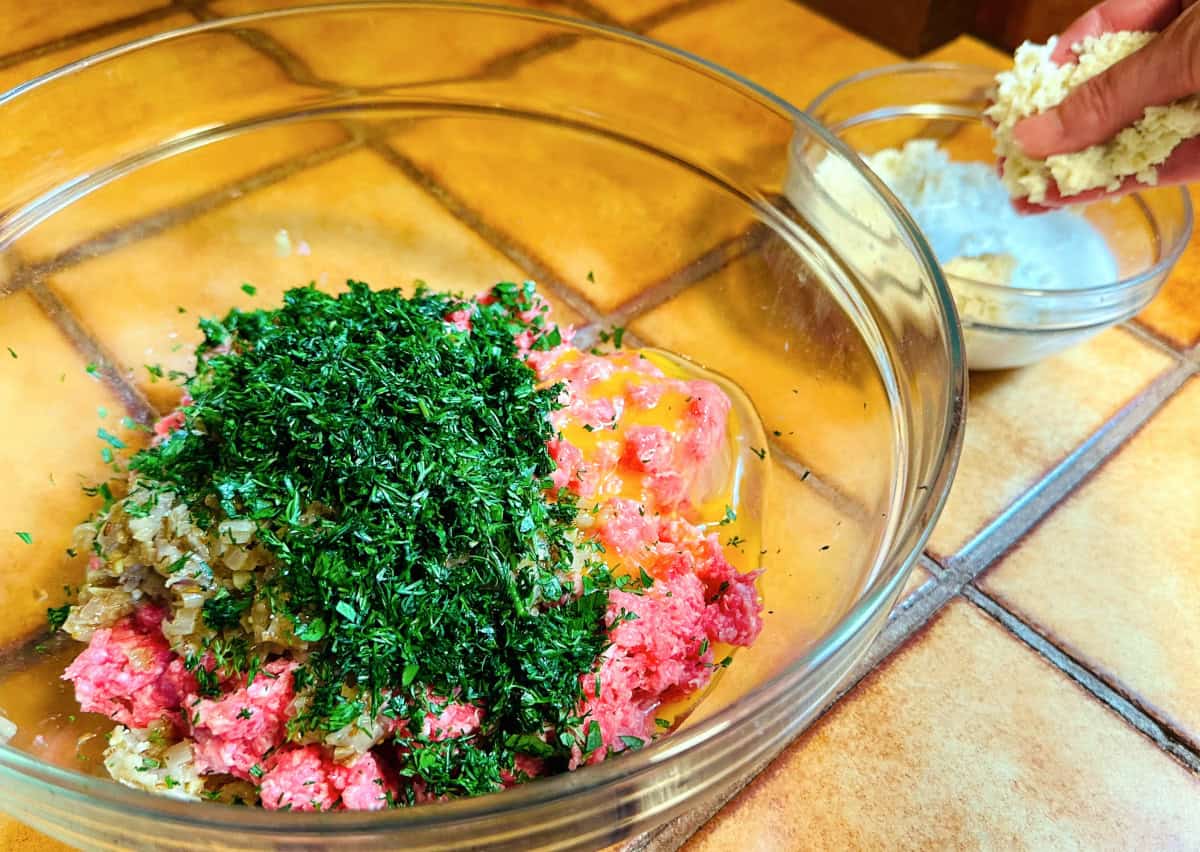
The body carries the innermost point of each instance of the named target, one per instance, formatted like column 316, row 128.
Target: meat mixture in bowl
column 394, row 549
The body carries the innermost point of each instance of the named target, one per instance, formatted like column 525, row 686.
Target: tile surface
column 28, row 25
column 19, row 72
column 42, row 388
column 780, row 45
column 965, row 739
column 1021, row 423
column 1113, row 574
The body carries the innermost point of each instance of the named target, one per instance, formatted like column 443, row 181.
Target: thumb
column 1166, row 69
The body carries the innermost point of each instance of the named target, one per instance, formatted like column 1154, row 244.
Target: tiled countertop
column 1039, row 685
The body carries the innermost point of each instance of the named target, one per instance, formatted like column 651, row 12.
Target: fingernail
column 1038, row 135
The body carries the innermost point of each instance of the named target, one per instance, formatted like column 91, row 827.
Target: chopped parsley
column 249, row 289
column 25, row 537
column 396, row 468
column 109, row 438
column 57, row 616
column 12, row 352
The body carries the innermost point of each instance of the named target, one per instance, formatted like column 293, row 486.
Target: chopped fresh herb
column 730, row 517
column 591, row 276
column 725, row 662
column 618, row 334
column 25, row 537
column 57, row 616
column 102, row 412
column 181, row 309
column 735, row 541
column 703, row 647
column 439, row 537
column 662, row 723
column 155, row 371
column 249, row 289
column 106, row 454
column 148, row 763
column 170, row 782
column 225, row 608
column 632, row 743
column 256, row 771
column 777, row 434
column 245, row 713
column 111, row 439
column 92, row 370
column 647, row 580
column 595, row 738
column 761, row 452
column 12, row 352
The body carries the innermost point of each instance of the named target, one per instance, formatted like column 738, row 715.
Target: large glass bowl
column 1009, row 326
column 639, row 186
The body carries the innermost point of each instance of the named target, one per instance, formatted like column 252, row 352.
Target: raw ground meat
column 128, row 672
column 306, row 778
column 234, row 731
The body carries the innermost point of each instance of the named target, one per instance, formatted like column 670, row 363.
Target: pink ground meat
column 128, row 673
column 232, row 733
column 306, row 778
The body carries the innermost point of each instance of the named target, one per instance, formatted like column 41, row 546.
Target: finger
column 1166, row 69
column 1115, row 16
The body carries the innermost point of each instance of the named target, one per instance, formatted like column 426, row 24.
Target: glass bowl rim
column 1162, row 266
column 908, row 534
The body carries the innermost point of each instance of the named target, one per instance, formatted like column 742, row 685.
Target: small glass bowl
column 1007, row 326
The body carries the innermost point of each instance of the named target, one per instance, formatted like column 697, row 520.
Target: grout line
column 1098, row 687
column 296, row 69
column 1021, row 516
column 657, row 18
column 156, row 223
column 510, row 248
column 709, row 263
column 90, row 34
column 829, row 492
column 135, row 402
column 590, row 11
column 1149, row 336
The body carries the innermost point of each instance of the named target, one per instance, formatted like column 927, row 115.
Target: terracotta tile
column 449, row 47
column 805, row 588
column 629, row 11
column 26, row 25
column 49, row 447
column 162, row 184
column 966, row 739
column 382, row 229
column 971, row 51
column 784, row 47
column 114, row 114
column 27, row 70
column 1021, row 423
column 803, row 367
column 207, row 176
column 1114, row 574
column 601, row 209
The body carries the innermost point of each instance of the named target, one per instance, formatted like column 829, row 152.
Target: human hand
column 1165, row 70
